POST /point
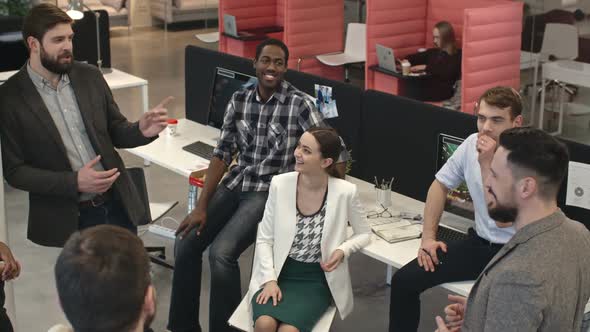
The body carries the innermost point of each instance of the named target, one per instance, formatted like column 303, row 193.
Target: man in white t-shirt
column 498, row 109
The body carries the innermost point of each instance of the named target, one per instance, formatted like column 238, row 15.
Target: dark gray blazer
column 35, row 160
column 539, row 281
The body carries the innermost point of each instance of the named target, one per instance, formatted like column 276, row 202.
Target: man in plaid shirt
column 262, row 124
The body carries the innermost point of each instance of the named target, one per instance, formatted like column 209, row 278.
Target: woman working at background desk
column 442, row 63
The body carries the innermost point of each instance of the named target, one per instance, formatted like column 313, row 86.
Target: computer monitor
column 458, row 200
column 226, row 82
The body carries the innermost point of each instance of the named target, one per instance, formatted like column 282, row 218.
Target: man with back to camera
column 498, row 109
column 262, row 123
column 103, row 282
column 539, row 280
column 59, row 127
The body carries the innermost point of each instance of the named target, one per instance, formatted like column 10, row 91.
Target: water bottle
column 194, row 183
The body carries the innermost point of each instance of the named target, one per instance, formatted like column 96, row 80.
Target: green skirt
column 306, row 296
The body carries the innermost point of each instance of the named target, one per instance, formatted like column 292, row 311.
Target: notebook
column 395, row 229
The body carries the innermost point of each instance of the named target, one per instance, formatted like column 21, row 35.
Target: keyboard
column 448, row 235
column 201, row 149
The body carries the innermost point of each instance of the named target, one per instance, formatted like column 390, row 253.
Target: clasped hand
column 454, row 315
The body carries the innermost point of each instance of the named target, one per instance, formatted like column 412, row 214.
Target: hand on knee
column 265, row 324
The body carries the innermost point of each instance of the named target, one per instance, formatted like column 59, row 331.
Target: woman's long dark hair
column 330, row 146
column 447, row 37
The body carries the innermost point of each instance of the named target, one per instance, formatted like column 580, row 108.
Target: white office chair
column 210, row 37
column 354, row 48
column 241, row 319
column 561, row 42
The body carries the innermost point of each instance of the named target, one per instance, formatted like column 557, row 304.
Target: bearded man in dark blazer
column 59, row 127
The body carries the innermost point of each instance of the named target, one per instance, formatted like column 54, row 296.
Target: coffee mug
column 406, row 67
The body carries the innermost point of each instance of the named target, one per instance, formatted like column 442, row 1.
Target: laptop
column 229, row 25
column 386, row 58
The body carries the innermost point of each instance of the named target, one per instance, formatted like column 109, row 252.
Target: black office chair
column 157, row 253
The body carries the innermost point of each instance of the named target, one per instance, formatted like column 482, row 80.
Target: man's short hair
column 503, row 97
column 534, row 151
column 42, row 18
column 102, row 276
column 275, row 42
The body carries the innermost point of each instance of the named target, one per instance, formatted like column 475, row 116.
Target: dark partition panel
column 200, row 64
column 399, row 138
column 199, row 76
column 85, row 47
column 348, row 101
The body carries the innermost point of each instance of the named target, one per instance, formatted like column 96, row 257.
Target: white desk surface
column 116, row 79
column 572, row 72
column 167, row 151
column 119, row 80
column 401, row 253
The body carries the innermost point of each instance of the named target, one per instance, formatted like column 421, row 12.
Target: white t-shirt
column 464, row 166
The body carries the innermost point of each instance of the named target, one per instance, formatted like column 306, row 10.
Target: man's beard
column 55, row 66
column 503, row 214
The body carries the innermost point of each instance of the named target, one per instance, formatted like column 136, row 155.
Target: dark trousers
column 464, row 260
column 5, row 325
column 110, row 213
column 232, row 221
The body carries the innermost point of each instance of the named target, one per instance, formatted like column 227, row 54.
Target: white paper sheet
column 578, row 185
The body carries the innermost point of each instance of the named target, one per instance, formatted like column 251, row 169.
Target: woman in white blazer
column 300, row 265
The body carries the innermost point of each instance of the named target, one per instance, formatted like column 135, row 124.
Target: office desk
column 565, row 71
column 167, row 150
column 255, row 34
column 410, row 86
column 399, row 254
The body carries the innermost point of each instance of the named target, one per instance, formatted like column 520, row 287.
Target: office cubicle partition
column 399, row 139
column 199, row 75
column 348, row 101
column 309, row 28
column 489, row 33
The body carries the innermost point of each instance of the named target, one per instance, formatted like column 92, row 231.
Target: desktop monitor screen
column 225, row 84
column 458, row 200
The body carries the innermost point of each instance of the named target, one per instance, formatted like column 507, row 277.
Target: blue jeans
column 232, row 220
column 110, row 213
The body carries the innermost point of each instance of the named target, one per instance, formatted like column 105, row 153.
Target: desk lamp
column 75, row 11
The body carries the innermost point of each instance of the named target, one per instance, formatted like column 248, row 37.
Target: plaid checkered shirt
column 263, row 134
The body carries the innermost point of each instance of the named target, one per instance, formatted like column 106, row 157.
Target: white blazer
column 277, row 229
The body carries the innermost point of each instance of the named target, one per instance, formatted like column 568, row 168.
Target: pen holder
column 384, row 197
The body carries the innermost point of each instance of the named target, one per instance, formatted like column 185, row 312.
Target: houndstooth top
column 306, row 245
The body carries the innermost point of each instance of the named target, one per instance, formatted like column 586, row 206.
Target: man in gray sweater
column 540, row 279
